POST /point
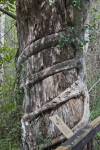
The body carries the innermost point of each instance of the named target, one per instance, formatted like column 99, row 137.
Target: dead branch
column 94, row 85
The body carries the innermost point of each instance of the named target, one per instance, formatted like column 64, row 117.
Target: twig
column 94, row 85
column 8, row 13
column 8, row 31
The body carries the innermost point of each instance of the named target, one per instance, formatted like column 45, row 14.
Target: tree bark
column 47, row 73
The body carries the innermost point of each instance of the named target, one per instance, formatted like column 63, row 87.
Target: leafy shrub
column 10, row 128
column 71, row 38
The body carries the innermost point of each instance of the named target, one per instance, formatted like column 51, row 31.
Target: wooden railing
column 84, row 137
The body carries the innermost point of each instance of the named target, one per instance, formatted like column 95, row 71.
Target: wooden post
column 93, row 143
column 89, row 145
column 82, row 137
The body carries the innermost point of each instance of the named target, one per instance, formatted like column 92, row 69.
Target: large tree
column 53, row 79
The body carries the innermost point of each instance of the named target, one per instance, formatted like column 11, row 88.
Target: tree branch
column 7, row 31
column 8, row 13
column 66, row 65
column 94, row 85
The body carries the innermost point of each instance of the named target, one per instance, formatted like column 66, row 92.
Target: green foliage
column 16, row 149
column 77, row 4
column 94, row 33
column 10, row 101
column 98, row 138
column 95, row 113
column 10, row 128
column 7, row 92
column 10, row 97
column 40, row 139
column 5, row 144
column 8, row 52
column 94, row 19
column 8, row 5
column 94, row 73
column 71, row 38
column 51, row 1
column 7, row 1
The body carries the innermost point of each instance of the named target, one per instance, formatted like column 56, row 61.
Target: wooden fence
column 84, row 137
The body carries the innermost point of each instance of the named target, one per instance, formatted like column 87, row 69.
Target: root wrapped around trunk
column 77, row 89
column 66, row 65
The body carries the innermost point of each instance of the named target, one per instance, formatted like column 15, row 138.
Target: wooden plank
column 81, row 140
column 62, row 126
column 76, row 138
column 89, row 145
column 95, row 122
column 82, row 137
column 62, row 148
column 93, row 143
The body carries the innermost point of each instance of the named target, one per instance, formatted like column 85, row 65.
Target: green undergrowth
column 95, row 112
column 10, row 95
column 10, row 129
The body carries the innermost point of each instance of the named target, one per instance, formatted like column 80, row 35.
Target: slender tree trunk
column 53, row 80
column 2, row 27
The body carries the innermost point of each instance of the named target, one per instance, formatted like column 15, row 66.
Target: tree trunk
column 53, row 79
column 2, row 27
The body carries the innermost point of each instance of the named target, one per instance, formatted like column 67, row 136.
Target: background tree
column 10, row 109
column 2, row 27
column 93, row 63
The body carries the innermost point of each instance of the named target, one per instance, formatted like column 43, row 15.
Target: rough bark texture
column 44, row 84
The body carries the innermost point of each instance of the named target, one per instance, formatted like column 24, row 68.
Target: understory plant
column 71, row 38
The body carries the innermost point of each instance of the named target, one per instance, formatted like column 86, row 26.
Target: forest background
column 10, row 96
